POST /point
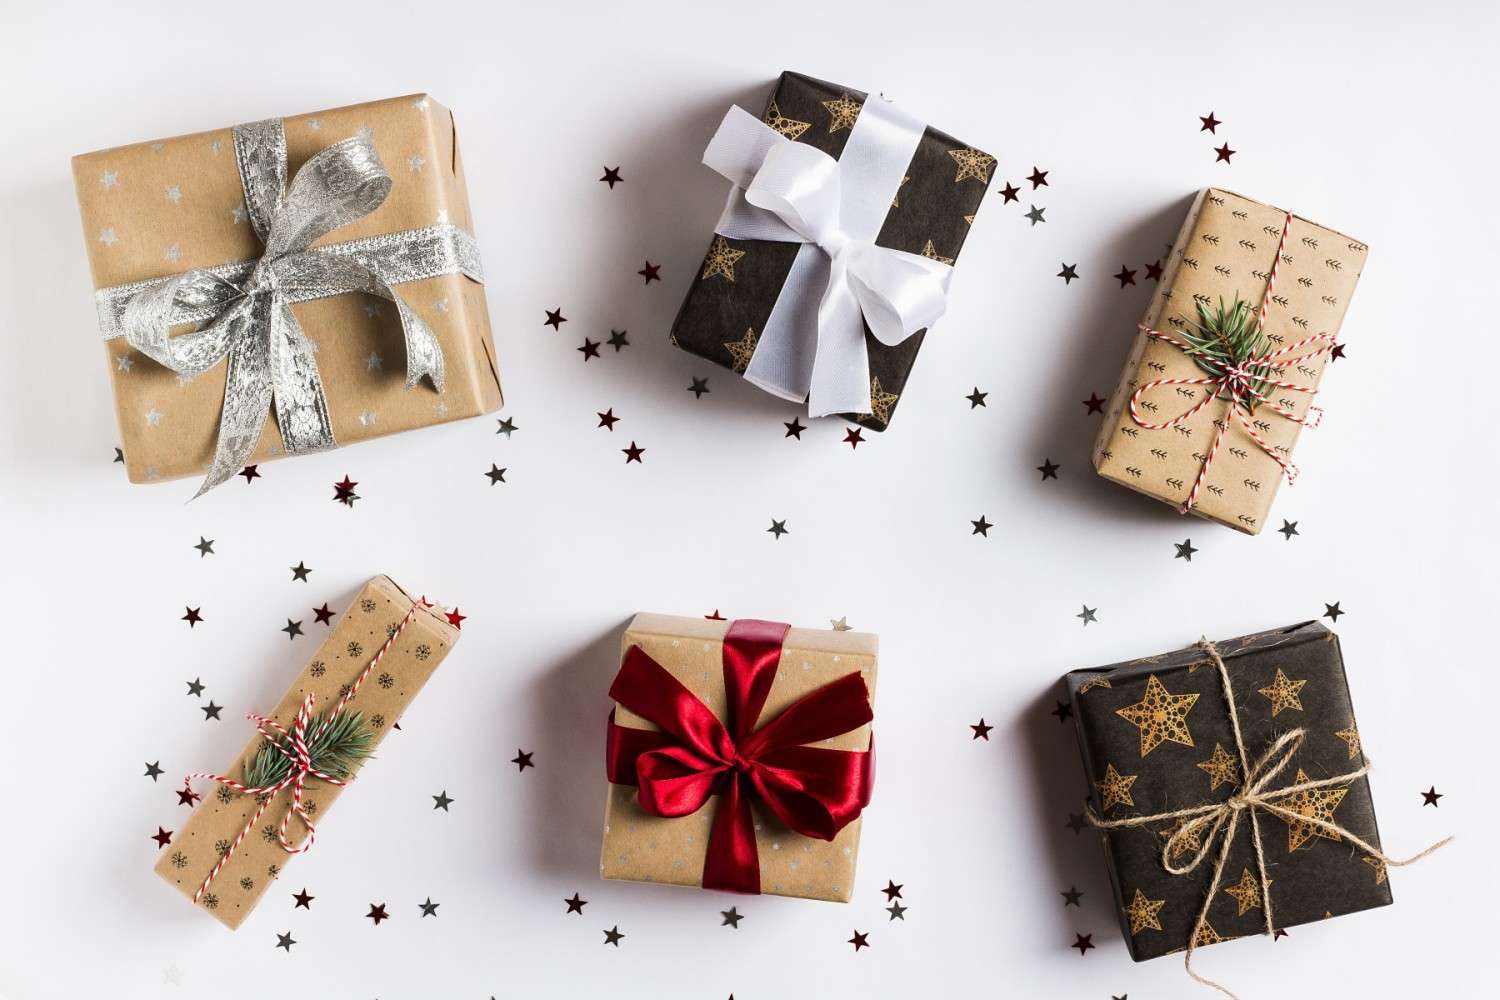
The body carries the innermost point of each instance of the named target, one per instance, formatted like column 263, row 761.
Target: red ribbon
column 812, row 790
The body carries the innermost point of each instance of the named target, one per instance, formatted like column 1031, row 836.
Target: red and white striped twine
column 301, row 759
column 1236, row 382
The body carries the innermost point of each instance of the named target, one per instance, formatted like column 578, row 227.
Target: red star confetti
column 343, row 491
column 651, row 272
column 455, row 619
column 853, row 437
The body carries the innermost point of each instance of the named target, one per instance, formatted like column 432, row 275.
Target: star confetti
column 1068, row 273
column 1126, row 276
column 860, row 940
column 250, row 472
column 1088, row 614
column 292, row 629
column 522, row 759
column 205, row 546
column 794, row 428
column 377, row 913
column 1063, row 711
column 1429, row 797
column 1010, row 193
column 154, row 770
column 343, row 491
column 699, row 388
column 607, row 419
column 162, row 836
column 853, row 437
column 1223, row 153
column 731, row 917
column 611, row 177
column 778, row 528
column 455, row 619
column 576, row 904
column 651, row 272
column 981, row 730
column 285, row 941
column 195, row 687
column 1048, row 469
column 496, row 474
column 300, row 572
column 1036, row 215
column 976, row 398
column 192, row 617
column 211, row 711
column 590, row 349
column 1161, row 716
column 429, row 908
column 1071, row 896
column 618, row 340
column 555, row 318
column 897, row 911
column 1185, row 550
column 323, row 615
column 507, row 426
column 1332, row 611
column 613, row 936
column 1288, row 528
column 1209, row 122
column 441, row 800
column 892, row 890
column 1038, row 178
column 1094, row 403
column 633, row 453
column 981, row 527
column 304, row 901
column 1083, row 942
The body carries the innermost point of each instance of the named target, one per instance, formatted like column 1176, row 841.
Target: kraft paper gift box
column 813, row 665
column 925, row 206
column 156, row 210
column 423, row 637
column 1156, row 438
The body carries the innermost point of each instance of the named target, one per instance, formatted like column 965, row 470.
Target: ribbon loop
column 815, row 791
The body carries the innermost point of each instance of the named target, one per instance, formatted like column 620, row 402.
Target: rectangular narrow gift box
column 932, row 201
column 641, row 847
column 160, row 209
column 218, row 820
column 1225, row 251
column 1156, row 737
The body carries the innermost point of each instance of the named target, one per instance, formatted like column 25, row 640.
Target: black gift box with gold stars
column 1156, row 738
column 739, row 282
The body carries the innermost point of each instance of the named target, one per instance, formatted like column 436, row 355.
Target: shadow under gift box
column 157, row 209
column 1225, row 250
column 740, row 281
column 1283, row 679
column 640, row 847
column 215, row 823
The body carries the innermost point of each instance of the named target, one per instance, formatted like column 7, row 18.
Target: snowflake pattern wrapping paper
column 361, row 631
column 1224, row 251
column 153, row 210
column 1156, row 737
column 740, row 281
column 641, row 847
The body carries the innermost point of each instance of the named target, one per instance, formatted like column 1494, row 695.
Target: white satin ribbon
column 813, row 344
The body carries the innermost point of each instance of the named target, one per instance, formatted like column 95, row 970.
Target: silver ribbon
column 813, row 344
column 245, row 306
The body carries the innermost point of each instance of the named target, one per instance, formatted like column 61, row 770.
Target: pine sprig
column 335, row 751
column 1228, row 337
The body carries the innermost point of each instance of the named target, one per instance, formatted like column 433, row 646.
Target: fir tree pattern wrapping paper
column 740, row 281
column 640, row 847
column 153, row 210
column 218, row 819
column 1225, row 250
column 1156, row 737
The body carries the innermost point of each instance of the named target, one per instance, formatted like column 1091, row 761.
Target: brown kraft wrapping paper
column 1225, row 249
column 219, row 818
column 639, row 847
column 157, row 209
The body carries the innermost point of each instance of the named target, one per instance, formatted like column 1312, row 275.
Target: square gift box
column 758, row 305
column 368, row 670
column 329, row 256
column 1157, row 738
column 1274, row 287
column 714, row 723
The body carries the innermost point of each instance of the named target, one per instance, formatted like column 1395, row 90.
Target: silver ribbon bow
column 792, row 192
column 245, row 307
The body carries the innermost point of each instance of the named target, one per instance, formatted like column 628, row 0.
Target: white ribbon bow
column 792, row 192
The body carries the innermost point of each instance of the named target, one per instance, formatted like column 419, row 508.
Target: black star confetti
column 860, row 940
column 153, row 770
column 507, row 427
column 522, row 759
column 1068, row 273
column 377, row 913
column 1010, row 193
column 211, row 711
column 1125, row 277
column 1036, row 215
column 555, row 318
column 441, row 800
column 192, row 617
column 1185, row 549
column 1038, row 178
column 162, row 836
column 778, row 528
column 324, row 615
column 1071, row 897
column 611, row 177
column 195, row 687
column 1088, row 614
column 1083, row 942
column 429, row 908
column 892, row 890
column 590, row 349
column 613, row 936
column 981, row 730
column 1076, row 822
column 1430, row 797
column 343, row 491
column 981, row 527
column 496, row 474
column 976, row 398
column 576, row 904
column 618, row 340
column 732, row 918
column 633, row 453
column 303, row 900
column 651, row 272
column 250, row 472
column 1063, row 711
column 1333, row 611
column 1223, row 153
column 292, row 629
column 205, row 546
column 1209, row 122
column 285, row 941
column 1154, row 271
column 699, row 387
column 120, row 455
column 300, row 572
column 897, row 911
column 1288, row 528
column 607, row 419
column 794, row 428
column 1048, row 469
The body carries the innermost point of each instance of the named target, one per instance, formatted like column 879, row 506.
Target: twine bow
column 1238, row 383
column 1217, row 820
column 294, row 745
column 250, row 321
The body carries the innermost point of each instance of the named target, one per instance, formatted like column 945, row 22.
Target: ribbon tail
column 732, row 863
column 841, row 366
column 247, row 396
column 301, row 405
column 784, row 354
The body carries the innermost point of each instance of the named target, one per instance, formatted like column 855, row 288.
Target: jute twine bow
column 1237, row 384
column 1255, row 794
column 300, row 758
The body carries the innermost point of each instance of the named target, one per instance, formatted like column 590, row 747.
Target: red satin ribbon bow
column 812, row 790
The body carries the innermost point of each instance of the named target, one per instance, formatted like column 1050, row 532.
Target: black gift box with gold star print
column 738, row 285
column 1156, row 738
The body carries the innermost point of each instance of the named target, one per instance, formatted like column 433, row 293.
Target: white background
column 1388, row 135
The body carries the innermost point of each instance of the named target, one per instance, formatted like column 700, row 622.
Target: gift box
column 739, row 756
column 821, row 285
column 239, row 839
column 329, row 256
column 1163, row 764
column 1224, row 367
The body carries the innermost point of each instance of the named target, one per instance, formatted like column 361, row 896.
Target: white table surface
column 1395, row 508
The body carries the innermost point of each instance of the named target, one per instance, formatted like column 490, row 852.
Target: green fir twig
column 1229, row 336
column 336, row 751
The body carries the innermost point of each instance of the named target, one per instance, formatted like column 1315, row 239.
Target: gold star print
column 741, row 350
column 1246, row 892
column 1161, row 716
column 1143, row 913
column 1186, row 845
column 1351, row 737
column 1283, row 693
column 721, row 259
column 1093, row 682
column 969, row 219
column 881, row 401
column 842, row 112
column 1314, row 803
column 972, row 163
column 1115, row 788
column 1207, row 935
column 896, row 200
column 1379, row 867
column 789, row 127
column 1221, row 768
column 930, row 252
